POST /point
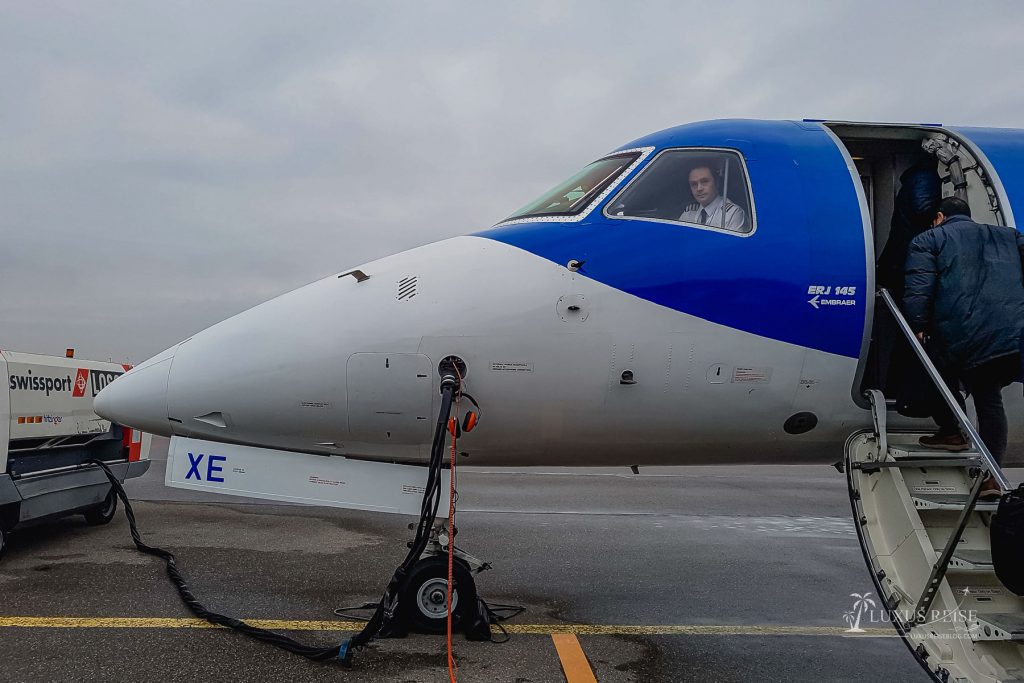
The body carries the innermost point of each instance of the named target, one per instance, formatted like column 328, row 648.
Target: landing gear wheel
column 424, row 596
column 104, row 512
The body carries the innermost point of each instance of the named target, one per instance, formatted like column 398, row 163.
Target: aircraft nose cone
column 138, row 398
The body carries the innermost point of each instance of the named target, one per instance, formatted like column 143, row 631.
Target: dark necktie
column 703, row 217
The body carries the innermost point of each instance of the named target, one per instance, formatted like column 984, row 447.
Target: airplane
column 706, row 294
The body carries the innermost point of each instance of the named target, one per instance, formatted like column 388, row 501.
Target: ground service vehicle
column 48, row 431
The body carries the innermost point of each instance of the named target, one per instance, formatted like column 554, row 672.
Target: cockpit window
column 707, row 188
column 576, row 193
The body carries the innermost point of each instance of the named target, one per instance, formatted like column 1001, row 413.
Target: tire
column 3, row 541
column 423, row 601
column 104, row 512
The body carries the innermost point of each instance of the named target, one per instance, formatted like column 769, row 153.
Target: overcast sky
column 165, row 165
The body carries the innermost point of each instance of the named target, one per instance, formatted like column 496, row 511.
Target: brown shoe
column 990, row 489
column 949, row 442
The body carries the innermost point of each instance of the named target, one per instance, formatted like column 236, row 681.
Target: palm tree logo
column 861, row 604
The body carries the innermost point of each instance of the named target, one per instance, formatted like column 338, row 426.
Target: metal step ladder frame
column 973, row 463
column 991, row 466
column 987, row 466
column 978, row 464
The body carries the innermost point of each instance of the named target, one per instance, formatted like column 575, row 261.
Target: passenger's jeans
column 985, row 383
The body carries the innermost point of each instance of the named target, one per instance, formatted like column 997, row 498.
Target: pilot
column 707, row 210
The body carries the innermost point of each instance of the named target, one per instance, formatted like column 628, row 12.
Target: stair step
column 915, row 451
column 997, row 627
column 970, row 559
column 950, row 501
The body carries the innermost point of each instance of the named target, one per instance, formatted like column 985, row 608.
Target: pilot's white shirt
column 735, row 217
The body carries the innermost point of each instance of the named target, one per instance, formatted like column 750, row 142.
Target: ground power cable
column 386, row 610
column 318, row 654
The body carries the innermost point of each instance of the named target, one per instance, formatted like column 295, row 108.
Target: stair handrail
column 965, row 424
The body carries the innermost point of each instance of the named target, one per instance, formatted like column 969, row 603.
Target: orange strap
column 453, row 428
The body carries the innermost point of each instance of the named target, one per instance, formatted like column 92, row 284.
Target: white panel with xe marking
column 292, row 477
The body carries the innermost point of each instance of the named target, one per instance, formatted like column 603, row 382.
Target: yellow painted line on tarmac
column 691, row 630
column 574, row 662
column 522, row 629
column 166, row 622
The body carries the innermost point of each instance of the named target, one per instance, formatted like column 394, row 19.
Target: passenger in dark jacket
column 913, row 213
column 965, row 288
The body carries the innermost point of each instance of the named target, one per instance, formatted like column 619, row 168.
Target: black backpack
column 1007, row 539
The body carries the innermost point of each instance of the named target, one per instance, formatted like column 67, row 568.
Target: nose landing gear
column 423, row 596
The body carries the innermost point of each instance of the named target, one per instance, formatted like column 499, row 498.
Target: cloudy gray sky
column 164, row 165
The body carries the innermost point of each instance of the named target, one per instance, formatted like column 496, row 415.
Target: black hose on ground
column 382, row 621
column 318, row 654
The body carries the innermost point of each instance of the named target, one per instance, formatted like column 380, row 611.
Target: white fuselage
column 348, row 367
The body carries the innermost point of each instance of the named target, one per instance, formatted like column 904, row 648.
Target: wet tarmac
column 710, row 573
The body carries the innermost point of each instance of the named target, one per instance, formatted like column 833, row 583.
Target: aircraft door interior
column 905, row 171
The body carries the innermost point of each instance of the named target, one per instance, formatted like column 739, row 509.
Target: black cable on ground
column 318, row 654
column 346, row 612
column 382, row 621
column 498, row 613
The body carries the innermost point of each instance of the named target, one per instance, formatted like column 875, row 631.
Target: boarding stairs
column 925, row 537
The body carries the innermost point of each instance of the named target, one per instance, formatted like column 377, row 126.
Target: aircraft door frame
column 962, row 136
column 869, row 266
